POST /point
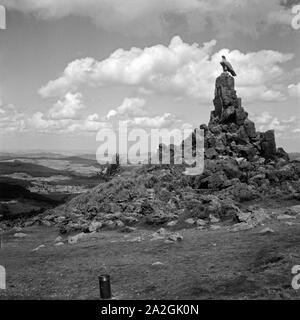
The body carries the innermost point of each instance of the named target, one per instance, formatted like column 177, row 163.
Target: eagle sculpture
column 227, row 67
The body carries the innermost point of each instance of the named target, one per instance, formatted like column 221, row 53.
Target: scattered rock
column 214, row 227
column 108, row 223
column 16, row 229
column 39, row 247
column 60, row 219
column 58, row 244
column 76, row 238
column 201, row 222
column 290, row 223
column 241, row 164
column 172, row 223
column 58, row 239
column 130, row 220
column 46, row 223
column 95, row 226
column 136, row 239
column 119, row 224
column 285, row 217
column 244, row 216
column 190, row 221
column 160, row 234
column 295, row 209
column 175, row 237
column 241, row 227
column 158, row 263
column 255, row 217
column 266, row 231
column 20, row 235
column 214, row 219
column 127, row 229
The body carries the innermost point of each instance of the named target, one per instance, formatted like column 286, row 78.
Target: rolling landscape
column 34, row 182
column 149, row 150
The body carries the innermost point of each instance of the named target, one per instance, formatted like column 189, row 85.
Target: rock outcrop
column 230, row 132
column 241, row 164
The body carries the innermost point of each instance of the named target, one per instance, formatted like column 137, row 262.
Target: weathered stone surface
column 95, row 226
column 211, row 153
column 266, row 231
column 76, row 238
column 172, row 223
column 175, row 237
column 240, row 165
column 295, row 209
column 247, row 151
column 280, row 153
column 241, row 136
column 190, row 221
column 20, row 235
column 228, row 115
column 241, row 227
column 250, row 128
column 268, row 145
column 285, row 217
column 240, row 116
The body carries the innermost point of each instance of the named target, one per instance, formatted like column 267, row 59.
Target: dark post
column 104, row 283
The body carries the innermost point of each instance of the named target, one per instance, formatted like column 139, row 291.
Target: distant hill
column 11, row 191
column 34, row 170
column 294, row 155
column 84, row 159
column 33, row 155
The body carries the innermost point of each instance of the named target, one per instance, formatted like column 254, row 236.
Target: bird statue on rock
column 227, row 67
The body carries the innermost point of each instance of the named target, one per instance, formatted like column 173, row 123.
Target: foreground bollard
column 104, row 283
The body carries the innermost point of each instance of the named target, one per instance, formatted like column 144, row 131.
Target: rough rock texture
column 241, row 164
column 230, row 132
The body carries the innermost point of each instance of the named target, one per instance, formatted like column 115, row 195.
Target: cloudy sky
column 71, row 67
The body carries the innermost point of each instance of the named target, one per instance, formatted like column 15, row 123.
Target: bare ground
column 206, row 264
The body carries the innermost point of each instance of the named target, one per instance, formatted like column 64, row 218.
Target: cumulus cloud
column 282, row 127
column 39, row 122
column 264, row 118
column 11, row 120
column 134, row 113
column 177, row 69
column 68, row 108
column 294, row 90
column 130, row 107
column 166, row 120
column 64, row 120
column 157, row 16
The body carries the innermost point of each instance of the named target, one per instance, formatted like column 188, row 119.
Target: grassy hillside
column 11, row 191
column 34, row 170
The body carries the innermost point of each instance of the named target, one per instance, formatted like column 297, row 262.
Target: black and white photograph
column 149, row 151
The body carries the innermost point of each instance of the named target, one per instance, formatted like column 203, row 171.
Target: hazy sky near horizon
column 71, row 67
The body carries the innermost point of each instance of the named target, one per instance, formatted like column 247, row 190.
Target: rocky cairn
column 231, row 133
column 241, row 164
column 235, row 151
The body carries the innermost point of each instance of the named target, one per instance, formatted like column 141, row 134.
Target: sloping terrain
column 206, row 264
column 231, row 232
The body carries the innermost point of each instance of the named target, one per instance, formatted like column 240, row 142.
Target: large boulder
column 250, row 128
column 240, row 116
column 268, row 144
